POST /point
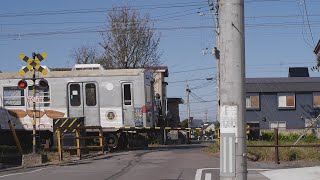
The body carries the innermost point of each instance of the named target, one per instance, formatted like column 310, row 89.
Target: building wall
column 173, row 108
column 294, row 118
column 160, row 87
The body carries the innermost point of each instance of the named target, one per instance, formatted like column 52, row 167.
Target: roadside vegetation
column 285, row 153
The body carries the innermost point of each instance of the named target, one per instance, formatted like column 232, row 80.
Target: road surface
column 168, row 162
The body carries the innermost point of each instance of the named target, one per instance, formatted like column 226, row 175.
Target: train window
column 75, row 98
column 91, row 99
column 127, row 99
column 13, row 96
column 42, row 98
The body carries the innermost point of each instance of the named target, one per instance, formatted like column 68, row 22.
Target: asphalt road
column 168, row 162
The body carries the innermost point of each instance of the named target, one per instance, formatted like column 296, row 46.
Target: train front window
column 13, row 96
column 91, row 99
column 127, row 99
column 42, row 97
column 75, row 98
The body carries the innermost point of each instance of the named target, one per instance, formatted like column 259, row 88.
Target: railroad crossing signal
column 33, row 63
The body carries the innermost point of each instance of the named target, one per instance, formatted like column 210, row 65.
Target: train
column 107, row 98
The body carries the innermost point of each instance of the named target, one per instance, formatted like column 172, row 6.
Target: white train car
column 107, row 98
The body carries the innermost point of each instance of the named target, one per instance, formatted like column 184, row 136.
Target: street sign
column 33, row 63
column 34, row 99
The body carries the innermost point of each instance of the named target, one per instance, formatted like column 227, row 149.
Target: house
column 291, row 102
column 169, row 106
column 196, row 123
column 160, row 85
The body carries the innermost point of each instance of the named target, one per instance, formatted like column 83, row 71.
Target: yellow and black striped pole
column 34, row 109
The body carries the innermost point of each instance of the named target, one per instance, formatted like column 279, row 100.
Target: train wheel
column 112, row 140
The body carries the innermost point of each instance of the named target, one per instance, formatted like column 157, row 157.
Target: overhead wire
column 98, row 10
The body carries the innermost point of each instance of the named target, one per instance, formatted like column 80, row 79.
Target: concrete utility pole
column 217, row 55
column 188, row 104
column 233, row 164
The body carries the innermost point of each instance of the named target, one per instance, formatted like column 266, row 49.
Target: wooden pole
column 101, row 139
column 276, row 148
column 59, row 145
column 78, row 143
column 15, row 137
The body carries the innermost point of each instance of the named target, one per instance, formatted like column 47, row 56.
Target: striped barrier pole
column 101, row 139
column 78, row 143
column 59, row 144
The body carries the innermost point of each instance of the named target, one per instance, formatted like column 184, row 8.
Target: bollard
column 188, row 136
column 219, row 137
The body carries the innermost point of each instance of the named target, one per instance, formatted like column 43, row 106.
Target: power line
column 198, row 79
column 98, row 10
column 305, row 8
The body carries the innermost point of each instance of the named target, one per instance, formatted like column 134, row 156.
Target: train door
column 127, row 104
column 84, row 102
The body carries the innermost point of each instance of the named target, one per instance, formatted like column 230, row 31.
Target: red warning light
column 22, row 84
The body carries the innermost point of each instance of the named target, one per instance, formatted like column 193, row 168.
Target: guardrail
column 78, row 137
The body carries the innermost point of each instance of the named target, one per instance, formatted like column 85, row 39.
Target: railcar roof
column 78, row 73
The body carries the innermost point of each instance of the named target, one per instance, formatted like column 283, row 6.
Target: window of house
column 278, row 124
column 13, row 96
column 253, row 101
column 42, row 97
column 286, row 100
column 316, row 99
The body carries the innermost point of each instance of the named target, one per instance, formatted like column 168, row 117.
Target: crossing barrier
column 78, row 137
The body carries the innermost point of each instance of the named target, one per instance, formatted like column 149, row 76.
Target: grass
column 285, row 153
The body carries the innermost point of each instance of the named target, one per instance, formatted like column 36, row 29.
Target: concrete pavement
column 306, row 173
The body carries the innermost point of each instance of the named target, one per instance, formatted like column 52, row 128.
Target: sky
column 279, row 34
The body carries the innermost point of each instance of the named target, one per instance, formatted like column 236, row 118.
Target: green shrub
column 288, row 137
column 310, row 138
column 267, row 136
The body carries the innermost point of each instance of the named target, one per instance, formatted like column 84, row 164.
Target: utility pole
column 188, row 104
column 217, row 54
column 206, row 115
column 233, row 157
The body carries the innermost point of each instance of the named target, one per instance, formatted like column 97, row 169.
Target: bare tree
column 85, row 55
column 129, row 41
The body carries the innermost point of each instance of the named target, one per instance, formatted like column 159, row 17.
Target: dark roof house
column 292, row 102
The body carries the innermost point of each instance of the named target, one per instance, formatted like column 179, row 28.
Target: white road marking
column 207, row 176
column 29, row 172
column 199, row 171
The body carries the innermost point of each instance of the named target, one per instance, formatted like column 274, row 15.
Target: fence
column 78, row 137
column 276, row 145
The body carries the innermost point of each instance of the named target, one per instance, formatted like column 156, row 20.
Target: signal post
column 33, row 64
